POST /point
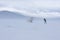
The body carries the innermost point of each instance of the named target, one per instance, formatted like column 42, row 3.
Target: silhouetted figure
column 45, row 20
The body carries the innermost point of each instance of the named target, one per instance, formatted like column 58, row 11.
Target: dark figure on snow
column 44, row 20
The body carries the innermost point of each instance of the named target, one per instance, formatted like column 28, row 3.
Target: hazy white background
column 33, row 7
column 14, row 26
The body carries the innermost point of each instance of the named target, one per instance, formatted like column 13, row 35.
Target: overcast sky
column 31, row 3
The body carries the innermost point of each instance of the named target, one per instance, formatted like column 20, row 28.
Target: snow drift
column 40, row 14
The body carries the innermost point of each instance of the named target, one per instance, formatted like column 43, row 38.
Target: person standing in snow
column 45, row 20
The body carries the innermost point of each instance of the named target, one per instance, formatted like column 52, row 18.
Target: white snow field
column 17, row 27
column 15, row 15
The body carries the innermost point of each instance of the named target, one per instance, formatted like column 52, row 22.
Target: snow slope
column 39, row 13
column 16, row 27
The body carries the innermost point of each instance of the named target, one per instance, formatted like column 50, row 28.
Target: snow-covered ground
column 17, row 27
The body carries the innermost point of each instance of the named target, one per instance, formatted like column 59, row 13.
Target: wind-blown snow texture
column 42, row 13
column 16, row 27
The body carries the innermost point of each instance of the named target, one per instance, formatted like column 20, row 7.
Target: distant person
column 45, row 20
